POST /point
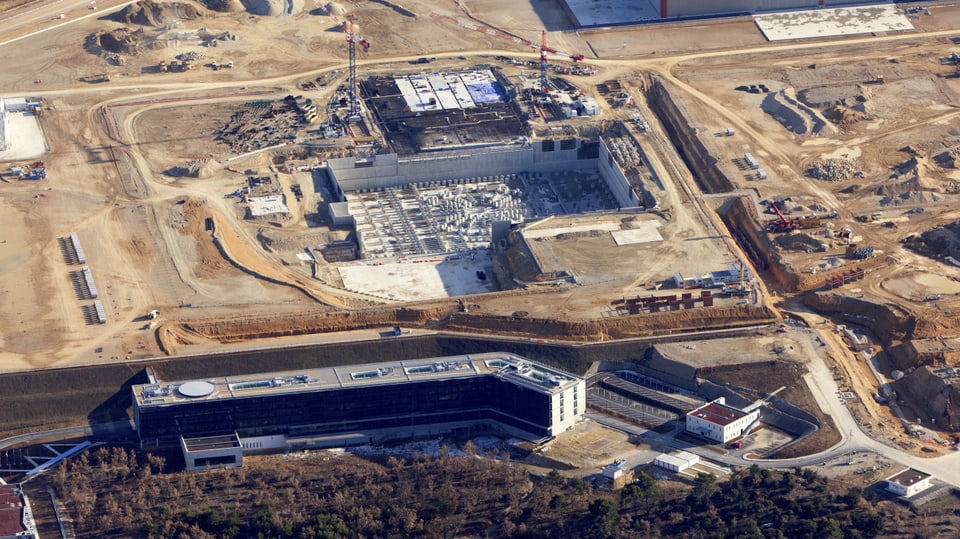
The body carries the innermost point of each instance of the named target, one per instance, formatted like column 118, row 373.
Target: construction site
column 265, row 174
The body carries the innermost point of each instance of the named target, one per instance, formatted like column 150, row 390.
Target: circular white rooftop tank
column 195, row 389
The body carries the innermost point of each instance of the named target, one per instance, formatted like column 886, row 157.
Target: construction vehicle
column 781, row 223
column 37, row 171
column 741, row 289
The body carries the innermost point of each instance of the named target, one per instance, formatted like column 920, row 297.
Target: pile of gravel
column 834, row 170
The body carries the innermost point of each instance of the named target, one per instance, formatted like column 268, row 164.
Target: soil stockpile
column 934, row 396
column 794, row 115
column 118, row 41
column 224, row 6
column 949, row 158
column 150, row 13
column 939, row 242
column 198, row 168
column 844, row 116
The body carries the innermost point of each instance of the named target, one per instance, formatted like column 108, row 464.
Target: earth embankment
column 172, row 336
column 702, row 164
column 888, row 321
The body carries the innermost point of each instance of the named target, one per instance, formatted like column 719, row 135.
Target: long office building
column 215, row 420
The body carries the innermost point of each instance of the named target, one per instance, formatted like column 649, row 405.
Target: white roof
column 266, row 205
column 681, row 459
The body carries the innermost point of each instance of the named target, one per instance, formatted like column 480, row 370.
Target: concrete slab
column 532, row 234
column 418, row 279
column 25, row 139
column 609, row 12
column 435, row 91
column 821, row 23
column 260, row 206
column 645, row 232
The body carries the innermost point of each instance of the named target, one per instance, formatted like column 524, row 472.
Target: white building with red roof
column 721, row 423
column 16, row 518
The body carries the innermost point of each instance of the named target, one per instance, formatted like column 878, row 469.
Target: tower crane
column 352, row 41
column 544, row 49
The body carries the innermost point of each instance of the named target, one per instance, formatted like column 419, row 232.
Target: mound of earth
column 334, row 9
column 150, row 13
column 273, row 8
column 794, row 115
column 948, row 159
column 826, row 96
column 224, row 6
column 843, row 116
column 931, row 395
column 908, row 198
column 198, row 168
column 118, row 41
column 918, row 186
column 939, row 242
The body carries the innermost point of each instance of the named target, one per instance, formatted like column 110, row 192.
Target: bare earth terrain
column 152, row 165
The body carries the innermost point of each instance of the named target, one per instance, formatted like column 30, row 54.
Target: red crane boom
column 780, row 224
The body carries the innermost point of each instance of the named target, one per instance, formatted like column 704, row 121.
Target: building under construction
column 452, row 201
column 436, row 111
column 463, row 166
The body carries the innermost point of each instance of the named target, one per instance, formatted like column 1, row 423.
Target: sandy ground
column 144, row 232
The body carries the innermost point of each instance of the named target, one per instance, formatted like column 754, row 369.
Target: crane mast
column 352, row 41
column 543, row 62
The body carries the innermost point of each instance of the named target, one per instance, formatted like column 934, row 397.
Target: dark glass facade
column 351, row 409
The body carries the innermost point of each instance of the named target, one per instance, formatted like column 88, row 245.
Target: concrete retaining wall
column 616, row 181
column 388, row 170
